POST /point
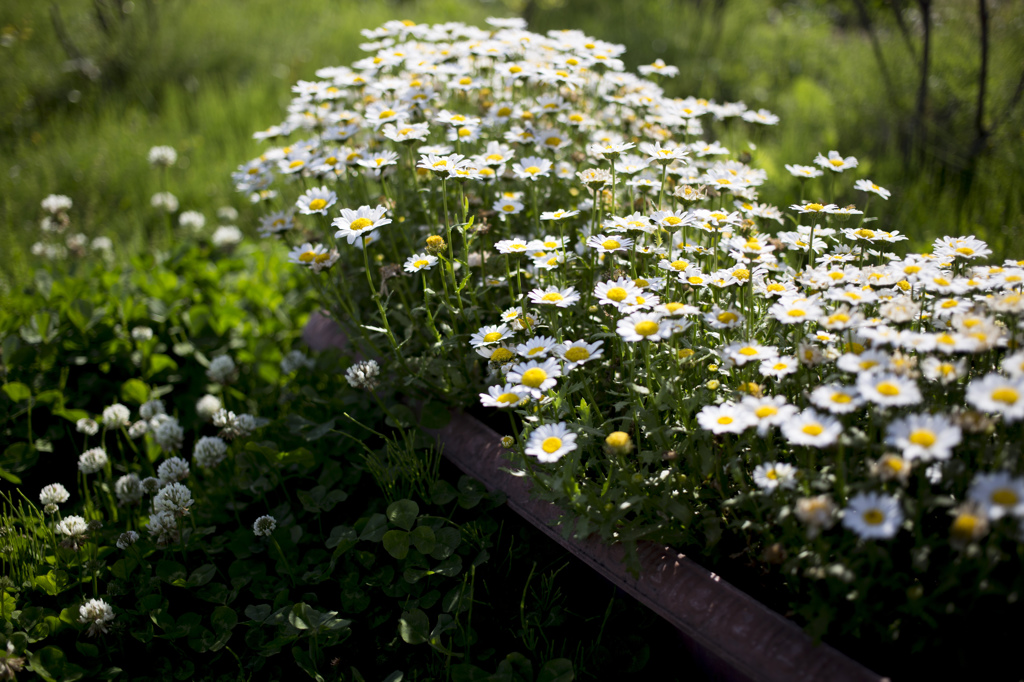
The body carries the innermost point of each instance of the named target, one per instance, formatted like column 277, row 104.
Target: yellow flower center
column 867, row 364
column 610, row 244
column 532, row 170
column 296, row 164
column 501, row 355
column 813, row 429
column 888, row 388
column 965, row 251
column 725, row 420
column 814, row 207
column 748, row 351
column 700, row 280
column 617, row 439
column 796, row 312
column 766, row 411
column 951, row 303
column 771, row 475
column 1004, row 497
column 360, row 224
column 865, row 233
column 841, row 398
column 514, row 69
column 509, row 398
column 534, row 377
column 317, row 204
column 577, row 354
column 839, row 318
column 742, row 273
column 307, row 256
column 537, row 349
column 923, row 437
column 491, row 337
column 509, row 208
column 873, row 517
column 727, row 317
column 553, row 141
column 836, row 162
column 465, row 132
column 553, row 297
column 672, row 220
column 779, row 366
column 551, row 444
column 386, row 113
column 646, row 328
column 941, row 281
column 1006, row 395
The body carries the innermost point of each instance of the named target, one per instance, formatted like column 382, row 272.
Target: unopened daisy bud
column 685, row 353
column 435, row 244
column 618, row 443
column 507, row 441
column 264, row 526
column 750, row 388
column 712, row 368
column 713, row 385
column 127, row 539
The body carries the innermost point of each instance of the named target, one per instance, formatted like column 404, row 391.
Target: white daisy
column 873, row 516
column 923, row 436
column 316, row 200
column 550, row 442
column 773, row 475
column 562, row 298
column 502, row 397
column 812, row 428
column 534, row 378
column 998, row 493
column 354, row 224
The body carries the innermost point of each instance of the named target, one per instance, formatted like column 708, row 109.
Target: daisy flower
column 771, row 476
column 641, row 326
column 354, row 224
column 742, row 352
column 888, row 390
column 514, row 245
column 868, row 186
column 537, row 347
column 560, row 214
column 534, row 378
column 420, row 261
column 836, row 398
column 502, row 397
column 835, row 162
column 966, row 248
column 316, row 200
column 779, row 367
column 506, row 207
column 873, row 516
column 575, row 353
column 998, row 494
column 717, row 318
column 531, row 168
column 614, row 293
column 769, row 411
column 804, row 172
column 812, row 429
column 488, row 335
column 562, row 298
column 725, row 418
column 996, row 394
column 550, row 442
column 944, row 371
column 609, row 244
column 812, row 207
column 923, row 436
column 795, row 310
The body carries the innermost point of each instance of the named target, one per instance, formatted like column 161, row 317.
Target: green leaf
column 396, row 542
column 403, row 513
column 171, row 571
column 450, row 567
column 306, row 663
column 435, row 415
column 342, row 539
column 396, row 676
column 202, row 575
column 557, row 670
column 423, row 538
column 414, row 627
column 447, row 540
column 17, row 391
column 458, row 598
column 223, row 618
column 158, row 362
column 442, row 492
column 90, row 650
column 471, row 492
column 467, row 672
column 258, row 612
column 134, row 391
column 375, row 528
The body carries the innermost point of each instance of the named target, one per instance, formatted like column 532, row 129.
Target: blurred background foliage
column 926, row 93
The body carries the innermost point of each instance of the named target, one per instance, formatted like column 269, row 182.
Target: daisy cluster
column 630, row 291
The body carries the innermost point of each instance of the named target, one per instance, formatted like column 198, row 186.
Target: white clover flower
column 234, row 426
column 138, row 429
column 127, row 539
column 172, row 470
column 72, row 526
column 162, row 155
column 151, row 409
column 363, row 375
column 174, row 498
column 164, row 201
column 55, row 493
column 295, row 360
column 92, row 461
column 207, row 406
column 97, row 613
column 163, row 527
column 128, row 489
column 150, row 485
column 87, row 426
column 168, row 434
column 55, row 203
column 116, row 416
column 264, row 526
column 193, row 220
column 222, row 370
column 550, row 442
column 209, row 451
column 226, row 235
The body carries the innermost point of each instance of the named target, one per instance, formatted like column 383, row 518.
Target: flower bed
column 680, row 361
